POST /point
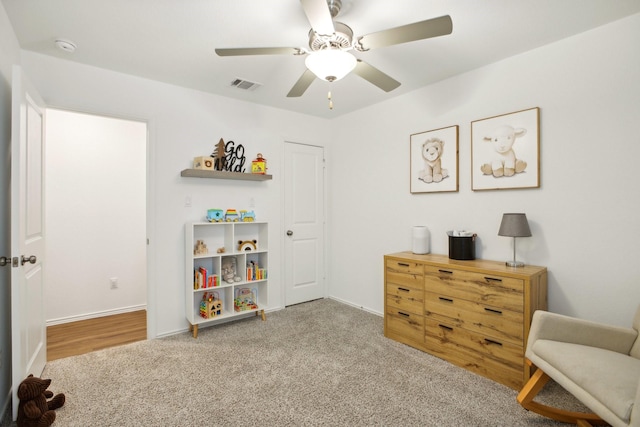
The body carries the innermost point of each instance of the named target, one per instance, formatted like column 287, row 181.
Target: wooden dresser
column 474, row 314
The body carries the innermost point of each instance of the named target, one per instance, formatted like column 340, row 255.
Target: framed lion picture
column 434, row 160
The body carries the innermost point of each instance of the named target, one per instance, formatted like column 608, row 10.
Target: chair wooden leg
column 533, row 387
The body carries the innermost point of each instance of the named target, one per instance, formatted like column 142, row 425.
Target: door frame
column 152, row 329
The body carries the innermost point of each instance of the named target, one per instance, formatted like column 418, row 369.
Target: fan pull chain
column 330, row 100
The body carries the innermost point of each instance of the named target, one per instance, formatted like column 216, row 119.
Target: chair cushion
column 609, row 377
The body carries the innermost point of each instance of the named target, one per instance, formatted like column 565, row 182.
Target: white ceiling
column 173, row 41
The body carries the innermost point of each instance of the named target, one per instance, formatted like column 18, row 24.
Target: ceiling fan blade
column 375, row 76
column 259, row 51
column 302, row 84
column 319, row 17
column 407, row 33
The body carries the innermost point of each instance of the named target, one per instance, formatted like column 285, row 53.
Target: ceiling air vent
column 245, row 84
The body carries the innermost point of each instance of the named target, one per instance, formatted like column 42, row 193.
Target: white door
column 304, row 223
column 28, row 326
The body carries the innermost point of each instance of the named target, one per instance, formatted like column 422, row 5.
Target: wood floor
column 85, row 336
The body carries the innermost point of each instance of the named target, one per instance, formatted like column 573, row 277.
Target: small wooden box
column 203, row 162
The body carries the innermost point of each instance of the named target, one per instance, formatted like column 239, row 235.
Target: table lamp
column 514, row 225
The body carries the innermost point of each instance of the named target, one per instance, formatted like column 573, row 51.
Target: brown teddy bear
column 34, row 410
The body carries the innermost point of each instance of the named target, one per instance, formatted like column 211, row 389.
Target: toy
column 202, row 162
column 431, row 153
column 247, row 216
column 201, row 248
column 211, row 305
column 247, row 245
column 505, row 162
column 215, row 215
column 259, row 165
column 245, row 299
column 34, row 410
column 231, row 215
column 221, row 250
column 229, row 265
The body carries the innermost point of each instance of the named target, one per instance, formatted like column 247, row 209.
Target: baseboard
column 368, row 310
column 88, row 316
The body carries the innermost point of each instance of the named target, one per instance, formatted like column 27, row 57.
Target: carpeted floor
column 319, row 363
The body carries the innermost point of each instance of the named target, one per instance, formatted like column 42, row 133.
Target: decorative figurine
column 259, row 165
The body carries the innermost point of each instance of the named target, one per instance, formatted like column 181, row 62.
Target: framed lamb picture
column 505, row 151
column 434, row 160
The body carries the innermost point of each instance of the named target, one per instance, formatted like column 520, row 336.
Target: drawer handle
column 492, row 279
column 491, row 310
column 403, row 264
column 448, row 328
column 404, row 289
column 488, row 341
column 404, row 314
column 445, row 271
column 445, row 299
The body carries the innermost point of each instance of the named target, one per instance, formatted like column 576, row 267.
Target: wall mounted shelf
column 200, row 173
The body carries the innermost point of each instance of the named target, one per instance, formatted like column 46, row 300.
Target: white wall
column 586, row 87
column 584, row 217
column 184, row 123
column 9, row 55
column 95, row 215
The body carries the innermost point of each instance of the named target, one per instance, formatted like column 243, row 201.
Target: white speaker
column 420, row 238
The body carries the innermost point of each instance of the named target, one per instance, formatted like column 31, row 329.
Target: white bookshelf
column 224, row 236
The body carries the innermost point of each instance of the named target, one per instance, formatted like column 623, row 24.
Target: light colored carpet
column 319, row 363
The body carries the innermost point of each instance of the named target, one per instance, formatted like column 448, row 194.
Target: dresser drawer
column 477, row 317
column 402, row 266
column 404, row 273
column 493, row 290
column 495, row 359
column 402, row 322
column 405, row 298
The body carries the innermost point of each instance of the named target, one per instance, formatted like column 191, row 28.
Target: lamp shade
column 514, row 225
column 330, row 64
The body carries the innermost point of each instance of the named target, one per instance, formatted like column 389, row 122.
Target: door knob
column 4, row 261
column 32, row 259
column 289, row 233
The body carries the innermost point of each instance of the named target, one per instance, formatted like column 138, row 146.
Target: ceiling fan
column 328, row 56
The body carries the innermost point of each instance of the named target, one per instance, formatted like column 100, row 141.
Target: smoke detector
column 66, row 45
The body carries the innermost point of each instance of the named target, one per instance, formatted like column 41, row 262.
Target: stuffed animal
column 34, row 410
column 505, row 162
column 247, row 245
column 432, row 153
column 229, row 270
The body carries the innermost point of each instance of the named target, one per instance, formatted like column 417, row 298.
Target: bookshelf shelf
column 213, row 291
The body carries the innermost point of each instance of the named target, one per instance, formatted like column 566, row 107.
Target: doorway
column 96, row 215
column 304, row 221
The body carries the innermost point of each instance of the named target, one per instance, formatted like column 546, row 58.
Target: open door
column 28, row 322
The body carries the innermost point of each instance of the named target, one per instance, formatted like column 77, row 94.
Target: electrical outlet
column 114, row 283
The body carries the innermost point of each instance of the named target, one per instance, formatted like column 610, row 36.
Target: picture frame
column 433, row 161
column 505, row 151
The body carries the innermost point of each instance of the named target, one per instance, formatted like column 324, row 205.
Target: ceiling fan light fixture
column 330, row 64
